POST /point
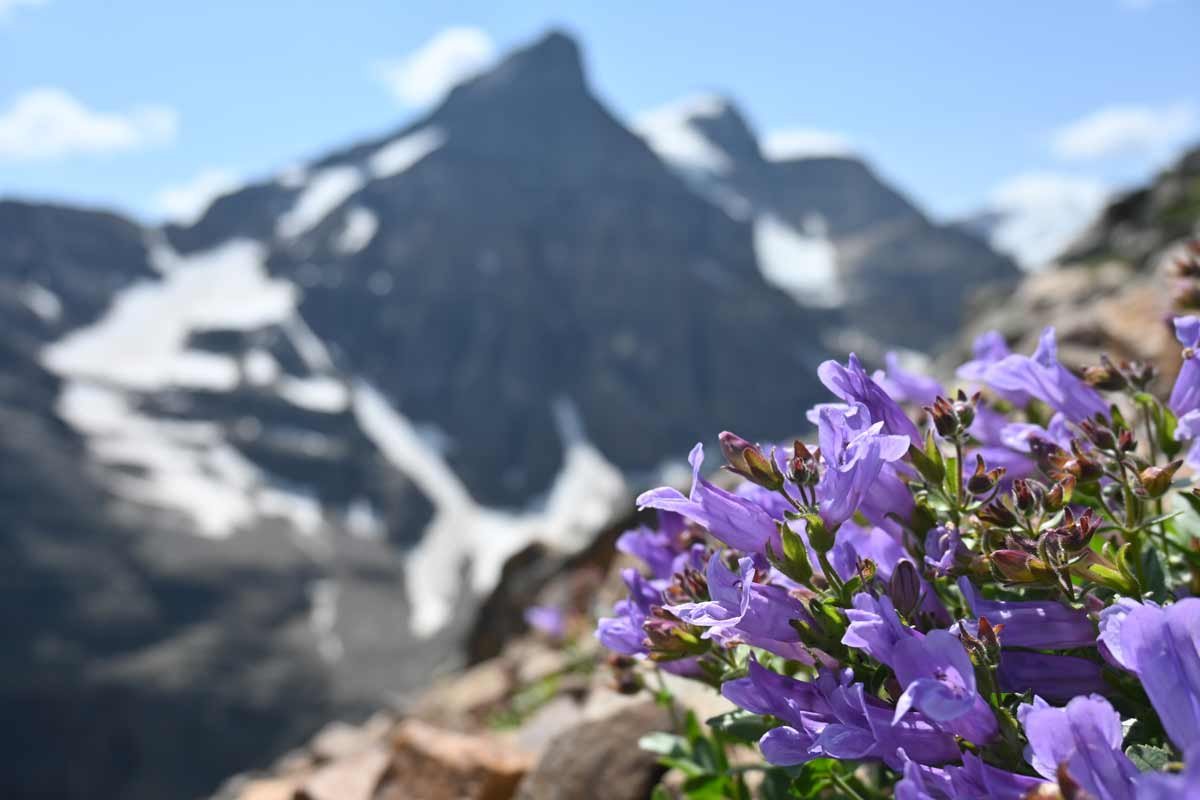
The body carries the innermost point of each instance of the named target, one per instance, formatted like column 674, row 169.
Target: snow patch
column 321, row 393
column 324, row 192
column 260, row 367
column 400, row 154
column 140, row 342
column 670, row 133
column 803, row 264
column 584, row 497
column 358, row 230
column 42, row 301
column 322, row 618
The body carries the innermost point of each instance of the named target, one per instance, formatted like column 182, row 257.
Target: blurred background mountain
column 284, row 448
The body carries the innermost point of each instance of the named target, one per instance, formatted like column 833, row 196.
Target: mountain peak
column 552, row 62
column 704, row 132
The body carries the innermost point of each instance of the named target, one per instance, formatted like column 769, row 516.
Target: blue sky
column 120, row 103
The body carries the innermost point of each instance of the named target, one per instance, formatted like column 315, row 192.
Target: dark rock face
column 904, row 280
column 515, row 253
column 1138, row 224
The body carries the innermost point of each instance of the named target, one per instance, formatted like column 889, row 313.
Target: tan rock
column 600, row 758
column 354, row 777
column 469, row 695
column 430, row 763
column 270, row 789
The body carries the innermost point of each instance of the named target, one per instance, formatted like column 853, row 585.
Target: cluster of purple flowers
column 984, row 595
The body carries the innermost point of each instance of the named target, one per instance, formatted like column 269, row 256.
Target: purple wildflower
column 852, row 384
column 803, row 706
column 990, row 348
column 744, row 611
column 976, row 779
column 866, row 727
column 905, row 386
column 939, row 682
column 1086, row 737
column 1185, row 395
column 855, row 451
column 875, row 628
column 548, row 620
column 1161, row 645
column 622, row 632
column 944, row 550
column 1055, row 677
column 1037, row 624
column 1041, row 376
column 736, row 521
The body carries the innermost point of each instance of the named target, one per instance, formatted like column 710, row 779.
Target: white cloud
column 185, row 202
column 669, row 131
column 47, row 123
column 7, row 6
column 427, row 73
column 804, row 143
column 1127, row 130
column 1042, row 212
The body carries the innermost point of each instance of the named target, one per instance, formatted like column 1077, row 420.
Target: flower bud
column 998, row 514
column 669, row 638
column 1099, row 434
column 818, row 535
column 1085, row 468
column 1016, row 566
column 747, row 460
column 989, row 638
column 803, row 467
column 1059, row 494
column 1105, row 377
column 1027, row 496
column 1155, row 481
column 983, row 480
column 905, row 587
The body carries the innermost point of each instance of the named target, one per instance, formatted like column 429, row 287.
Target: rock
column 354, row 777
column 430, row 763
column 548, row 723
column 465, row 699
column 340, row 739
column 270, row 789
column 601, row 753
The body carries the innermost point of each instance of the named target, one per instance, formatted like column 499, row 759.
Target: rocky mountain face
column 262, row 469
column 1115, row 289
column 828, row 230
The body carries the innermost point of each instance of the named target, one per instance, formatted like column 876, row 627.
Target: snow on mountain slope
column 670, row 131
column 802, row 264
column 588, row 492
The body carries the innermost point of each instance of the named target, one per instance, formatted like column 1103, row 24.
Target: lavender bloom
column 855, row 452
column 921, row 782
column 548, row 620
column 944, row 550
column 875, row 628
column 658, row 550
column 803, row 706
column 622, row 632
column 939, row 682
column 734, row 520
column 1086, row 736
column 1055, row 677
column 1041, row 376
column 990, row 348
column 866, row 728
column 852, row 384
column 744, row 611
column 975, row 779
column 905, row 386
column 1185, row 395
column 1162, row 647
column 1037, row 624
column 1184, row 786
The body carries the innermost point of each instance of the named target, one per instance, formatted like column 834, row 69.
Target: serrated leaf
column 1148, row 758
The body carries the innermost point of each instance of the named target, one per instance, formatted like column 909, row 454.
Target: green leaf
column 1148, row 758
column 776, row 785
column 1156, row 576
column 664, row 744
column 707, row 787
column 741, row 726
